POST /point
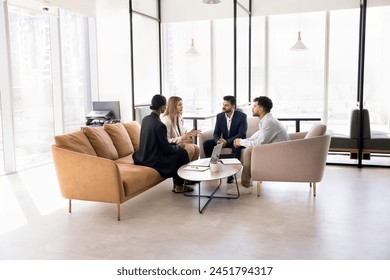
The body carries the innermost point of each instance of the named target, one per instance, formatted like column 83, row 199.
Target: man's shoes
column 230, row 179
column 243, row 190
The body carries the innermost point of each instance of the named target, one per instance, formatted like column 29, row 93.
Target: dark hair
column 264, row 102
column 158, row 101
column 231, row 99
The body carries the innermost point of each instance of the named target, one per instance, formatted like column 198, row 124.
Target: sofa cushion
column 101, row 142
column 316, row 130
column 75, row 141
column 120, row 138
column 138, row 178
column 134, row 130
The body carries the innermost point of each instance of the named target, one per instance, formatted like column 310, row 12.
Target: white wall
column 85, row 7
column 113, row 40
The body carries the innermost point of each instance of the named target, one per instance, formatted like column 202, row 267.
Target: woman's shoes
column 181, row 189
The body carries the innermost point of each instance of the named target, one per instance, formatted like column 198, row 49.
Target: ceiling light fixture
column 211, row 1
column 192, row 51
column 299, row 45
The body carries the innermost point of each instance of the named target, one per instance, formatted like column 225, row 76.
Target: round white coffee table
column 190, row 172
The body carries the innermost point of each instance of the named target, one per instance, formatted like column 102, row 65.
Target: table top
column 299, row 118
column 200, row 116
column 226, row 170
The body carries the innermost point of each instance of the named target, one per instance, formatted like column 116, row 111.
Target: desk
column 195, row 117
column 298, row 121
column 202, row 176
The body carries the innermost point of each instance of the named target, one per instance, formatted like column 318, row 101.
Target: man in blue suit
column 230, row 124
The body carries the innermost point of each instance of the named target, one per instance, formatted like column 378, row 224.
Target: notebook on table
column 205, row 162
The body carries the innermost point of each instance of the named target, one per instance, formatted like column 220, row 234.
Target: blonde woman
column 177, row 134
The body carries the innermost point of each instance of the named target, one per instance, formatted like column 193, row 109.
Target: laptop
column 206, row 161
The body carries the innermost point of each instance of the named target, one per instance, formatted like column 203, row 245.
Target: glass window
column 146, row 59
column 258, row 57
column 188, row 76
column 75, row 70
column 296, row 78
column 343, row 68
column 31, row 86
column 242, row 57
column 377, row 69
column 1, row 142
column 224, row 62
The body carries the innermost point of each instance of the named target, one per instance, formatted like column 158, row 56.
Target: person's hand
column 223, row 141
column 237, row 142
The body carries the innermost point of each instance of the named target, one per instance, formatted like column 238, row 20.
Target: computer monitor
column 113, row 106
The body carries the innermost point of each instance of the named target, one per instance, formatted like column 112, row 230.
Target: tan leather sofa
column 96, row 164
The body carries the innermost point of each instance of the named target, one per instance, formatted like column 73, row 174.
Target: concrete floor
column 348, row 220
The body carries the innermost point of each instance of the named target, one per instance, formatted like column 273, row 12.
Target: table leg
column 297, row 126
column 211, row 196
column 195, row 126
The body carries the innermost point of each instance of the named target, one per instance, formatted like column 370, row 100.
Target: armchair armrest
column 208, row 134
column 86, row 177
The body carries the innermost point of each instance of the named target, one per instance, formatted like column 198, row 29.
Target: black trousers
column 208, row 147
column 182, row 158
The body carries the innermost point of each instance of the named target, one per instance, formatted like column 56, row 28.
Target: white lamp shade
column 299, row 45
column 211, row 1
column 192, row 50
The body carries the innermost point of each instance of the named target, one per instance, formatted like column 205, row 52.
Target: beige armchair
column 302, row 159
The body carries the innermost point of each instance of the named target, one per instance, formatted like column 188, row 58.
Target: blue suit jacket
column 238, row 127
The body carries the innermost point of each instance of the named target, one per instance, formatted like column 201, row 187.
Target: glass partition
column 75, row 68
column 296, row 78
column 377, row 70
column 32, row 89
column 343, row 68
column 146, row 59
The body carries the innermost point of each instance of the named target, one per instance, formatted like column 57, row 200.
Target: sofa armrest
column 208, row 134
column 86, row 177
column 300, row 160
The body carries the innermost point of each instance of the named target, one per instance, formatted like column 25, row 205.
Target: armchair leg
column 314, row 188
column 310, row 184
column 70, row 206
column 118, row 211
column 258, row 187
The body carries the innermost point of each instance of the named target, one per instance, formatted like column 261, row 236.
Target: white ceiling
column 185, row 10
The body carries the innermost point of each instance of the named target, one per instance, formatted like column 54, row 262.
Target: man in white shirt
column 270, row 131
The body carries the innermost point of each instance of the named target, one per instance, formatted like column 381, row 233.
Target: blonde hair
column 171, row 110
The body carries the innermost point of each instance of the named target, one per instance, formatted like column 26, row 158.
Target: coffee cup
column 215, row 167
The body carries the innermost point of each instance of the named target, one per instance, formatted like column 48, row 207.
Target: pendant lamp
column 192, row 51
column 211, row 1
column 299, row 45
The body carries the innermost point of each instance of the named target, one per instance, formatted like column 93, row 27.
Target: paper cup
column 215, row 167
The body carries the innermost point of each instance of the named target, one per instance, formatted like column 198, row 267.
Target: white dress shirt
column 270, row 131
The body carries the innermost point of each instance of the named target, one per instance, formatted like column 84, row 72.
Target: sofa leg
column 118, row 211
column 258, row 188
column 311, row 184
column 70, row 206
column 314, row 188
